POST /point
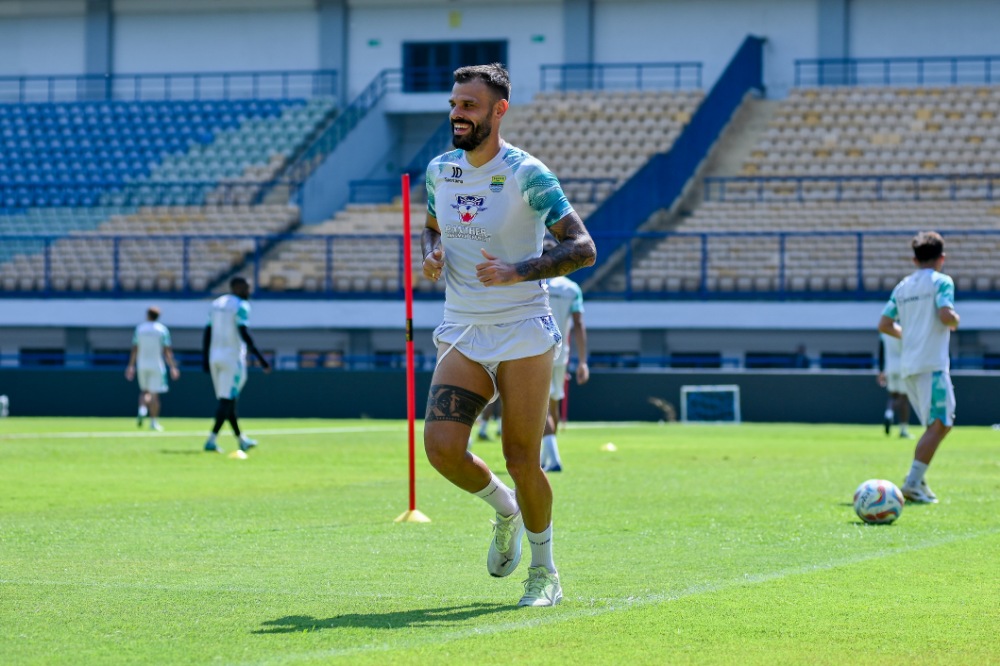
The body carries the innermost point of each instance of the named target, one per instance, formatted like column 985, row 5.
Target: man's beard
column 473, row 139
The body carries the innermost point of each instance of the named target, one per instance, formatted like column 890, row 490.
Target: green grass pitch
column 689, row 544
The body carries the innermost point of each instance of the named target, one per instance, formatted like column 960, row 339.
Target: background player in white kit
column 150, row 346
column 566, row 301
column 488, row 206
column 224, row 355
column 897, row 407
column 924, row 305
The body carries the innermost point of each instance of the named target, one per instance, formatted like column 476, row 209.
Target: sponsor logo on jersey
column 456, row 175
column 468, row 207
column 497, row 183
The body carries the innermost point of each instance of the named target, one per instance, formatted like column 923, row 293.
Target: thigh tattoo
column 453, row 403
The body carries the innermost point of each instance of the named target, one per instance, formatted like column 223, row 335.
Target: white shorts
column 894, row 383
column 228, row 377
column 152, row 379
column 491, row 344
column 558, row 389
column 932, row 397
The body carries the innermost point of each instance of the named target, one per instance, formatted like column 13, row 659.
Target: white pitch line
column 550, row 617
column 196, row 433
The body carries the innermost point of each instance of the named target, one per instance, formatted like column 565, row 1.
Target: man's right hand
column 434, row 264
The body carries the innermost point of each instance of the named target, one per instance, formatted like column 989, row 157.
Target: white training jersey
column 915, row 302
column 150, row 338
column 893, row 355
column 565, row 298
column 502, row 207
column 228, row 313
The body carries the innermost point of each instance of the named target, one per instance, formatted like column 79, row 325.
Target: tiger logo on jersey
column 468, row 207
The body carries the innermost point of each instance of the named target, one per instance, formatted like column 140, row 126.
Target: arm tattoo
column 453, row 403
column 429, row 240
column 575, row 250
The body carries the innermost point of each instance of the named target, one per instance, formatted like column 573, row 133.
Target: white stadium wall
column 893, row 28
column 377, row 34
column 707, row 32
column 217, row 42
column 41, row 45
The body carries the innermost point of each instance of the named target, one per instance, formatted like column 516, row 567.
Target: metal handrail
column 914, row 70
column 287, row 84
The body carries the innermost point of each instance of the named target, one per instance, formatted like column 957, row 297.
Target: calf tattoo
column 453, row 403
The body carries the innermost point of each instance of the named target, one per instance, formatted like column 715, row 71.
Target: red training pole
column 412, row 515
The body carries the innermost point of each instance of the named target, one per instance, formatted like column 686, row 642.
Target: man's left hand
column 494, row 272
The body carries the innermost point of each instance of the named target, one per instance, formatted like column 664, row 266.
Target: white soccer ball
column 878, row 501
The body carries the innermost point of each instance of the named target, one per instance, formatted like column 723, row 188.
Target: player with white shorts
column 924, row 305
column 488, row 207
column 224, row 355
column 897, row 406
column 150, row 346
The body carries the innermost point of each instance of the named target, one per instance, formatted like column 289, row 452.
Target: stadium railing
column 290, row 84
column 713, row 249
column 901, row 187
column 622, row 76
column 15, row 197
column 904, row 71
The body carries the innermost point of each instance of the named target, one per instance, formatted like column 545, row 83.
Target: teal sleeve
column 577, row 302
column 135, row 337
column 429, row 183
column 542, row 192
column 945, row 297
column 890, row 310
column 166, row 337
column 243, row 314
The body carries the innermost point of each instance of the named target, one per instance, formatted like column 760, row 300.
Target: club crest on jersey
column 497, row 183
column 468, row 206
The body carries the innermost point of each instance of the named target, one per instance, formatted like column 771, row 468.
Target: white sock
column 143, row 411
column 541, row 548
column 903, row 430
column 152, row 422
column 551, row 450
column 916, row 474
column 211, row 437
column 889, row 414
column 482, row 427
column 499, row 496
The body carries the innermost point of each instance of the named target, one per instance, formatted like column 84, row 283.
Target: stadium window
column 846, row 361
column 428, row 66
column 759, row 360
column 188, row 358
column 390, row 359
column 37, row 358
column 109, row 358
column 696, row 360
column 321, row 359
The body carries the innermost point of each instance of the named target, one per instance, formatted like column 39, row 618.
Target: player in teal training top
column 488, row 207
column 150, row 347
column 224, row 355
column 566, row 300
column 924, row 305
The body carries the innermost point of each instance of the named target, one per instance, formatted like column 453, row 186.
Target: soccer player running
column 566, row 301
column 150, row 345
column 224, row 354
column 924, row 305
column 488, row 206
column 898, row 406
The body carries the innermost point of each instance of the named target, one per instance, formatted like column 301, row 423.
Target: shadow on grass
column 182, row 452
column 421, row 617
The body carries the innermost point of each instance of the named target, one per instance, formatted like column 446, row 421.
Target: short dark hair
column 927, row 246
column 238, row 282
column 153, row 313
column 494, row 75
